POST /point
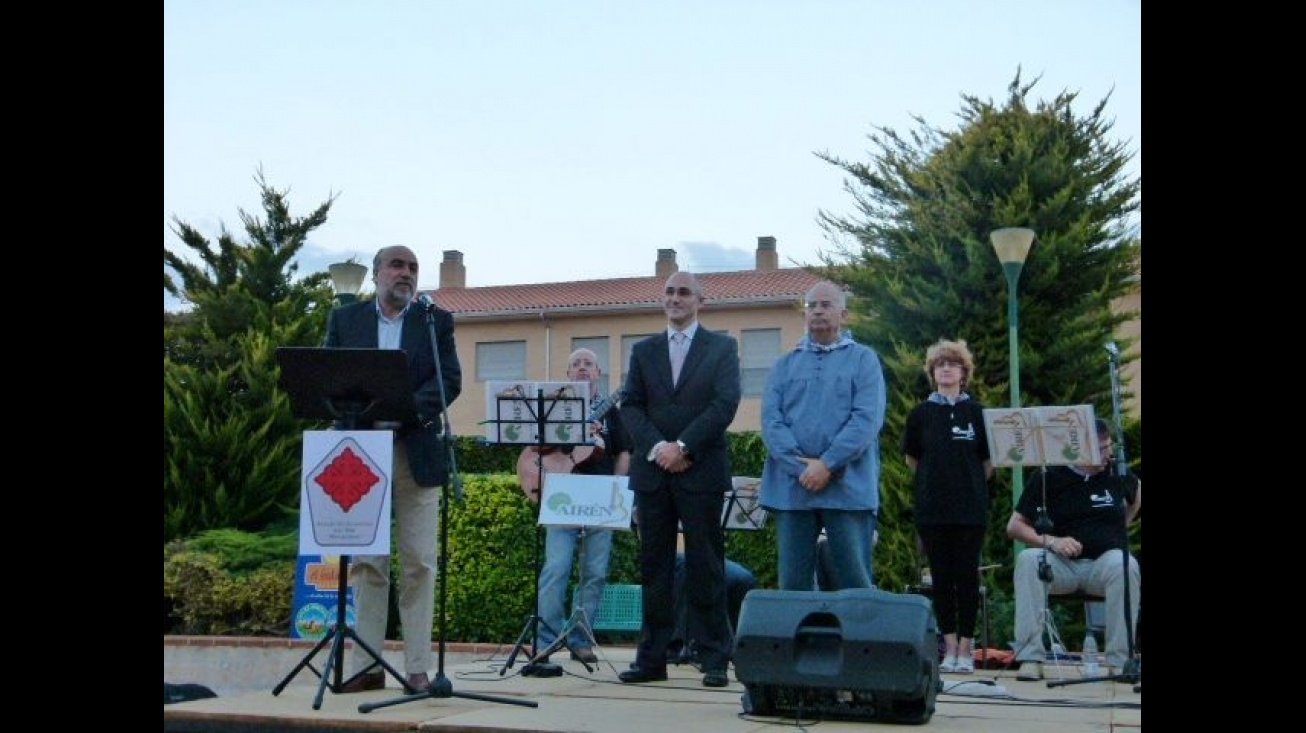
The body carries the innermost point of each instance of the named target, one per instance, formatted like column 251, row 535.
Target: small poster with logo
column 586, row 500
column 317, row 590
column 1068, row 435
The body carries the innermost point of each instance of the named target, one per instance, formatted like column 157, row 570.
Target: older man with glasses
column 821, row 417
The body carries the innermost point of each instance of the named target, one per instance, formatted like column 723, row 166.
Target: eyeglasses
column 824, row 305
column 948, row 363
column 682, row 292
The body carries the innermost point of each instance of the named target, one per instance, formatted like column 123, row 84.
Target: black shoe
column 636, row 675
column 364, row 682
column 584, row 654
column 716, row 678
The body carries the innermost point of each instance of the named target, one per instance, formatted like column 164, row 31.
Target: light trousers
column 417, row 518
column 1100, row 577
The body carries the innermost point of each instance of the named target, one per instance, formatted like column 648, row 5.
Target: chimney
column 767, row 259
column 452, row 272
column 666, row 265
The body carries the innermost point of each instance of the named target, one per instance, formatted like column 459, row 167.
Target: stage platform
column 243, row 672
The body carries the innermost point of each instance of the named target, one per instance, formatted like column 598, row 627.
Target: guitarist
column 609, row 455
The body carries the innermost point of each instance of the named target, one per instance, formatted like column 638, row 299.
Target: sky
column 573, row 139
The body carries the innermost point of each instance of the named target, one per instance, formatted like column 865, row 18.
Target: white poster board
column 345, row 494
column 1042, row 436
column 582, row 500
column 512, row 407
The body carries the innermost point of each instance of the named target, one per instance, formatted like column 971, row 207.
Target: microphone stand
column 441, row 686
column 1132, row 672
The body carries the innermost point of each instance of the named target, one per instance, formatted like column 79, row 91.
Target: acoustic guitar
column 536, row 460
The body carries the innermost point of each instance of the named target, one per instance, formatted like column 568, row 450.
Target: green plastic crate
column 621, row 608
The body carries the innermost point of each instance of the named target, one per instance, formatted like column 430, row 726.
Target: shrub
column 230, row 581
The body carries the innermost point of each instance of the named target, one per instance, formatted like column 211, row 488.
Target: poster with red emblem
column 345, row 502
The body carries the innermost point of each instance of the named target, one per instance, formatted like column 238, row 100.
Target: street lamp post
column 347, row 279
column 1012, row 245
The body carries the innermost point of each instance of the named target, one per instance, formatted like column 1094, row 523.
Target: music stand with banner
column 585, row 502
column 346, row 473
column 1043, row 436
column 543, row 415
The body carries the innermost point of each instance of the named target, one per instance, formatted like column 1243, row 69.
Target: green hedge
column 232, row 582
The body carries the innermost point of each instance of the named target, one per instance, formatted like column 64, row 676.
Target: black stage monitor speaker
column 854, row 654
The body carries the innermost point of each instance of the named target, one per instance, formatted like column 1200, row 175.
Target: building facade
column 526, row 332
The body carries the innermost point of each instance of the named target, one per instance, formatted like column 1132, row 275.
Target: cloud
column 713, row 257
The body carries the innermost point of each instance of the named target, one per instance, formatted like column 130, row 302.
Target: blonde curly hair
column 945, row 350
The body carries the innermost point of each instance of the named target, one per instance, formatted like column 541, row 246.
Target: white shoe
column 965, row 665
column 949, row 664
column 1030, row 671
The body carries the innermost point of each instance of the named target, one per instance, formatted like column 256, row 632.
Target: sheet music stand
column 606, row 503
column 742, row 510
column 353, row 386
column 512, row 407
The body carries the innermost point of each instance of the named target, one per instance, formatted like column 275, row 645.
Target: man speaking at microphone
column 396, row 320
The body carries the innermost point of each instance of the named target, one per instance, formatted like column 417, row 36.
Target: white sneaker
column 949, row 664
column 1030, row 671
column 965, row 665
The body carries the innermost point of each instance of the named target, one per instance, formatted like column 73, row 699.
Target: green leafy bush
column 229, row 581
column 203, row 597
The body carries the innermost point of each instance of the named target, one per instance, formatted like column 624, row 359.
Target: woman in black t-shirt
column 946, row 446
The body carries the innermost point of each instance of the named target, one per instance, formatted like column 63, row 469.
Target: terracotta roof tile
column 744, row 286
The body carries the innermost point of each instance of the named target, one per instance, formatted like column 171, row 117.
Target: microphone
column 1112, row 349
column 427, row 303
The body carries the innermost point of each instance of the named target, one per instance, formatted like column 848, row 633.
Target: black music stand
column 542, row 416
column 350, row 386
column 742, row 510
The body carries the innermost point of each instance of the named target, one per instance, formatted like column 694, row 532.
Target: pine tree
column 236, row 287
column 923, row 268
column 231, row 448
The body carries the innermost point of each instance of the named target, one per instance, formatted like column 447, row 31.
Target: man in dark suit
column 394, row 321
column 682, row 390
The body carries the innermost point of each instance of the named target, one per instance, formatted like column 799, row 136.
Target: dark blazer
column 698, row 411
column 354, row 326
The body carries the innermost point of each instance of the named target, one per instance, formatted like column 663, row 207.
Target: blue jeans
column 849, row 536
column 559, row 547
